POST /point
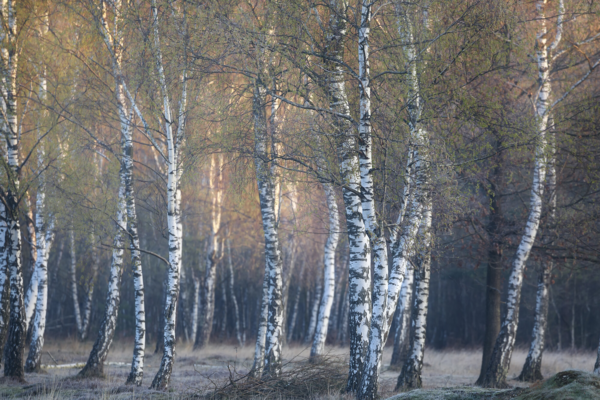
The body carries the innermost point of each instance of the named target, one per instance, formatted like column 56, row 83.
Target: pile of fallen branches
column 305, row 380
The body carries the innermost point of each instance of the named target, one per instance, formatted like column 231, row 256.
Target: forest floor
column 198, row 372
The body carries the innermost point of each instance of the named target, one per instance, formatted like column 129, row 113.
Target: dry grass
column 202, row 372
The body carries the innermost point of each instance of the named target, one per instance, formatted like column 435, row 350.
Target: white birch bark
column 410, row 377
column 273, row 265
column 314, row 310
column 114, row 42
column 261, row 337
column 74, row 293
column 137, row 364
column 195, row 308
column 174, row 141
column 13, row 351
column 45, row 233
column 234, row 302
column 44, row 227
column 318, row 346
column 402, row 334
column 31, row 296
column 360, row 250
column 89, row 292
column 215, row 182
column 500, row 361
column 533, row 364
column 532, row 370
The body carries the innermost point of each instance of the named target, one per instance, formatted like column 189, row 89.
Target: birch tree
column 231, row 293
column 410, row 377
column 403, row 314
column 273, row 268
column 318, row 345
column 215, row 185
column 13, row 351
column 44, row 226
column 545, row 55
column 175, row 140
column 113, row 40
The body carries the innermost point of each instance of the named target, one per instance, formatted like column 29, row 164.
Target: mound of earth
column 566, row 385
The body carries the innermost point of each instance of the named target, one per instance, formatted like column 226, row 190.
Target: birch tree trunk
column 45, row 233
column 174, row 142
column 360, row 250
column 74, row 294
column 532, row 370
column 261, row 337
column 410, row 377
column 314, row 310
column 215, row 180
column 500, row 361
column 13, row 351
column 4, row 276
column 318, row 346
column 89, row 292
column 402, row 334
column 236, row 311
column 95, row 364
column 294, row 316
column 195, row 308
column 273, row 265
column 137, row 364
column 44, row 226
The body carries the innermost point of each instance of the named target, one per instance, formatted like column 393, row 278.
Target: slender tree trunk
column 224, row 302
column 89, row 293
column 360, row 250
column 410, row 377
column 318, row 346
column 185, row 314
column 208, row 295
column 17, row 329
column 38, row 327
column 532, row 370
column 195, row 308
column 215, row 180
column 95, row 364
column 44, row 226
column 261, row 336
column 493, row 317
column 500, row 361
column 137, row 364
column 294, row 317
column 31, row 296
column 74, row 294
column 314, row 310
column 403, row 314
column 273, row 267
column 236, row 311
column 4, row 277
column 174, row 142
